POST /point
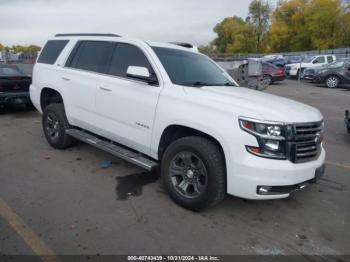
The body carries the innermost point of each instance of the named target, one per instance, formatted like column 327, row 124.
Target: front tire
column 55, row 124
column 193, row 173
column 332, row 81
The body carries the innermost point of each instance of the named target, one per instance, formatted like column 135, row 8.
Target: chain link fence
column 338, row 52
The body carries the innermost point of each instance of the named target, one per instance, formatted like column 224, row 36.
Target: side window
column 126, row 55
column 319, row 60
column 91, row 55
column 330, row 59
column 51, row 51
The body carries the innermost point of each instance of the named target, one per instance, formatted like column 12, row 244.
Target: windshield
column 191, row 69
column 308, row 59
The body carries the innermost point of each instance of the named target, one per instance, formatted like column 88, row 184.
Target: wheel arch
column 336, row 75
column 49, row 96
column 176, row 131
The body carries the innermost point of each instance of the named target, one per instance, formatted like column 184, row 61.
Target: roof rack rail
column 187, row 45
column 87, row 34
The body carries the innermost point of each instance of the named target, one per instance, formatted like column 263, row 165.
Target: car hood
column 255, row 104
column 316, row 69
column 302, row 65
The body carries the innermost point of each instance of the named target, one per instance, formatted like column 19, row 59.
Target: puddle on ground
column 132, row 185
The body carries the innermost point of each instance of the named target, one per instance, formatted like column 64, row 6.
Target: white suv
column 165, row 104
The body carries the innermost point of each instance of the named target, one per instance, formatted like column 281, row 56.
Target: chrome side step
column 116, row 150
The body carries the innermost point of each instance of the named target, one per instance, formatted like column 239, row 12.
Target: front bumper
column 318, row 79
column 246, row 173
column 291, row 72
column 310, row 77
column 14, row 98
column 277, row 78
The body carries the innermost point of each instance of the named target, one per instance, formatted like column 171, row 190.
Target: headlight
column 294, row 67
column 271, row 138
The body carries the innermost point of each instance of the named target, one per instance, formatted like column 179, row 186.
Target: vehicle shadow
column 15, row 109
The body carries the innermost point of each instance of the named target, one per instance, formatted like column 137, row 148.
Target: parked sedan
column 272, row 73
column 334, row 74
column 14, row 86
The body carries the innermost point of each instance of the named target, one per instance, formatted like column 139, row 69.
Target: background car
column 14, row 86
column 281, row 61
column 272, row 72
column 334, row 74
column 296, row 69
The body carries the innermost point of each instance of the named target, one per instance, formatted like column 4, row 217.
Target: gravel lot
column 75, row 207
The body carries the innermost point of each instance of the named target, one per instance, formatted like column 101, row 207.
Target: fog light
column 273, row 145
column 264, row 190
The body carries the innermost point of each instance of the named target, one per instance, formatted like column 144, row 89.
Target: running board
column 116, row 150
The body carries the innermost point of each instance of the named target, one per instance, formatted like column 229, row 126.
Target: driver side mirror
column 141, row 73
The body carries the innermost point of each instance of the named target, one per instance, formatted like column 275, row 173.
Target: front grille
column 305, row 141
column 288, row 67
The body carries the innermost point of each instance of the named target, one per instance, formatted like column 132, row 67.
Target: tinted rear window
column 126, row 55
column 91, row 56
column 268, row 65
column 51, row 51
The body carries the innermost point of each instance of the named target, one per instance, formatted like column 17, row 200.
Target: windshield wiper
column 198, row 84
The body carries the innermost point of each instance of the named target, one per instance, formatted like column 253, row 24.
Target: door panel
column 80, row 79
column 125, row 111
column 347, row 73
column 80, row 90
column 126, row 107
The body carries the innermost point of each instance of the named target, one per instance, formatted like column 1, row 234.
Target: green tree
column 33, row 48
column 288, row 27
column 259, row 17
column 308, row 24
column 234, row 35
column 345, row 26
column 323, row 23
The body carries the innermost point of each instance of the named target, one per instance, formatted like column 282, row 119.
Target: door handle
column 105, row 88
column 66, row 78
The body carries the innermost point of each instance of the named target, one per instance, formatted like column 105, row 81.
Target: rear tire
column 193, row 173
column 55, row 124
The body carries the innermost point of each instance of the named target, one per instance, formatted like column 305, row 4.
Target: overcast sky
column 33, row 21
